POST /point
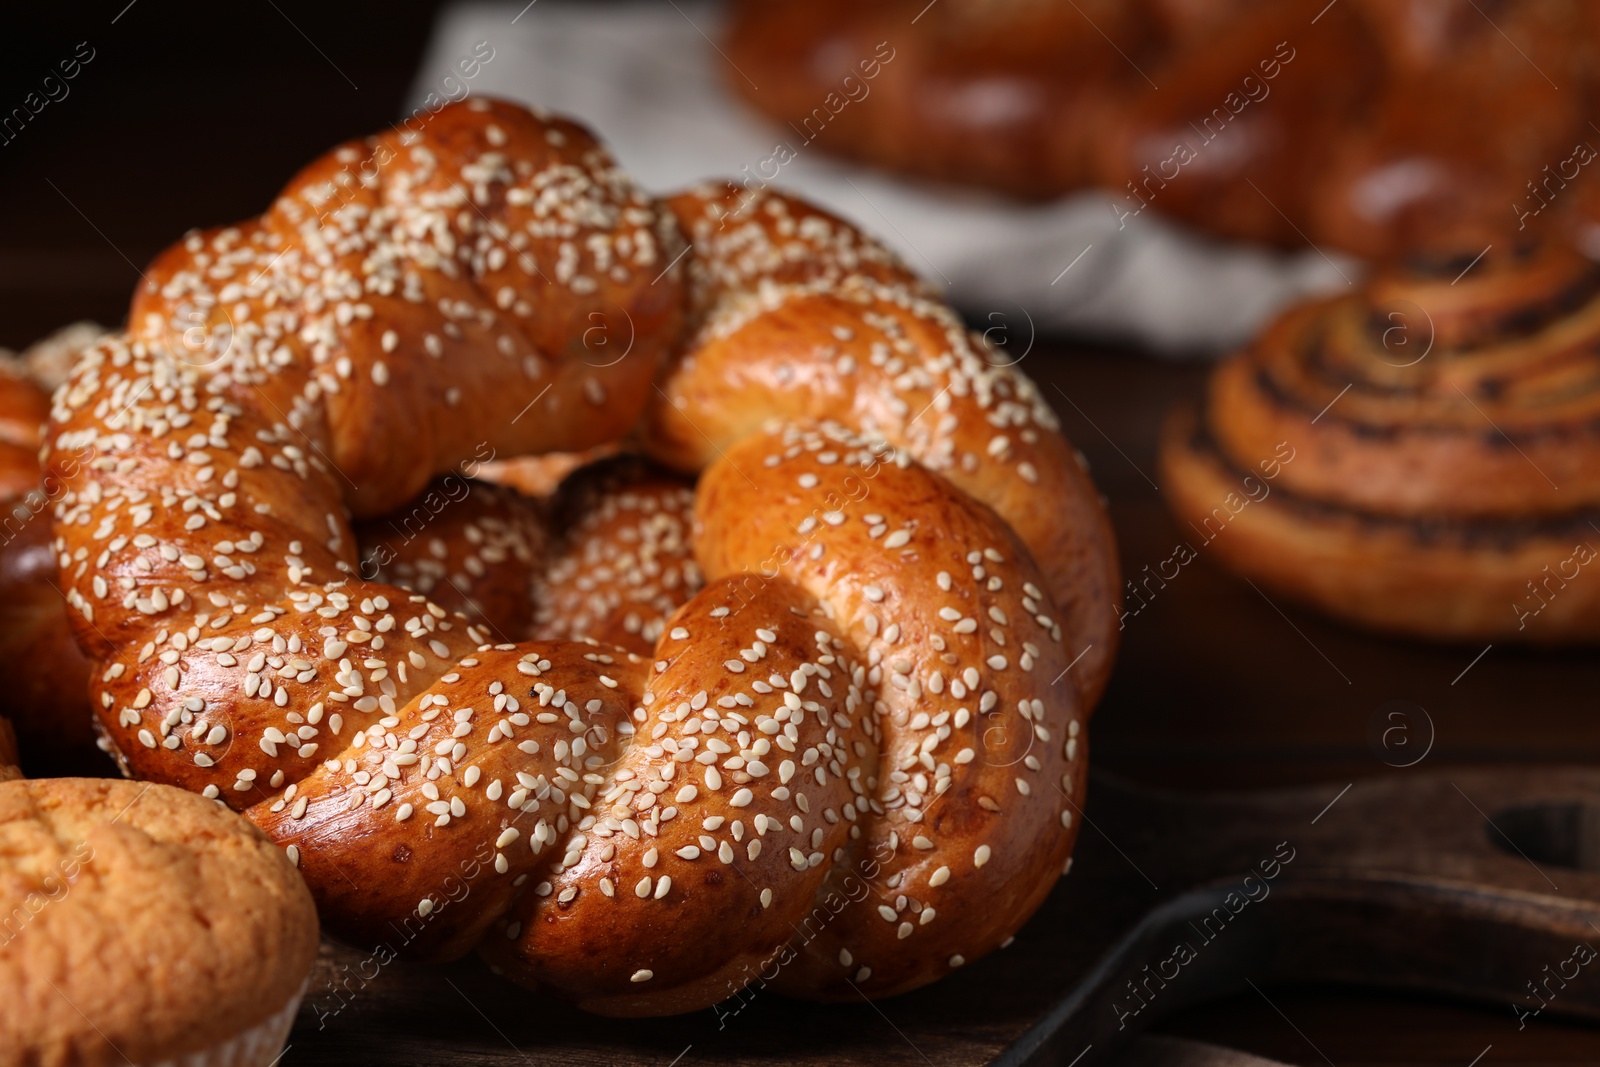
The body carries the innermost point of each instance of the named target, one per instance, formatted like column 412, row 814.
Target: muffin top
column 139, row 922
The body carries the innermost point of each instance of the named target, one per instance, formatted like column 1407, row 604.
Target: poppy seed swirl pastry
column 870, row 688
column 1419, row 457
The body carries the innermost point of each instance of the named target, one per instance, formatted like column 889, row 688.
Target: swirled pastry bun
column 1433, row 445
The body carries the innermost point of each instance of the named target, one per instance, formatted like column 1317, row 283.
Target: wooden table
column 173, row 125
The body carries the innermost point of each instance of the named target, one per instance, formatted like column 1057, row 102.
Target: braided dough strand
column 207, row 549
column 802, row 317
column 868, row 700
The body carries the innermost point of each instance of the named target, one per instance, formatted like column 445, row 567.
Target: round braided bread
column 1420, row 456
column 844, row 679
column 1386, row 128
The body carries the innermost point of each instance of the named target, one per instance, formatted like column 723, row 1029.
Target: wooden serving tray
column 1173, row 899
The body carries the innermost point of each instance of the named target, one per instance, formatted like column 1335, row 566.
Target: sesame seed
column 806, row 723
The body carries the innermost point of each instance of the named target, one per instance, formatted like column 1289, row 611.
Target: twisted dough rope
column 811, row 719
column 1442, row 426
column 1260, row 131
column 608, row 557
column 891, row 362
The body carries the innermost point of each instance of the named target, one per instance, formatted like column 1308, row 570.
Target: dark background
column 189, row 114
column 194, row 114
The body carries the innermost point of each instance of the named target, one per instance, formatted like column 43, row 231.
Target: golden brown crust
column 24, row 405
column 865, row 703
column 48, row 690
column 1477, row 398
column 609, row 555
column 468, row 546
column 1462, row 129
column 1377, row 126
column 24, row 409
column 48, row 361
column 1224, row 146
column 47, row 696
column 1432, row 444
column 1431, row 578
column 423, row 772
column 993, row 94
column 142, row 922
column 626, row 556
column 802, row 317
column 225, row 465
column 980, row 762
column 531, row 236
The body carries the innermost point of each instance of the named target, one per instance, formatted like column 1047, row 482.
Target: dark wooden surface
column 1175, row 897
column 194, row 114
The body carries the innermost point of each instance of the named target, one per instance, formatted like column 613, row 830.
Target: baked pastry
column 1420, row 457
column 47, row 695
column 144, row 925
column 47, row 676
column 960, row 96
column 1377, row 126
column 24, row 409
column 48, row 361
column 607, row 555
column 877, row 691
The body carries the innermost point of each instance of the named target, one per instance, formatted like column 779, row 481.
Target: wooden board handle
column 1479, row 884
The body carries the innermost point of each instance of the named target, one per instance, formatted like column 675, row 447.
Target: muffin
column 143, row 924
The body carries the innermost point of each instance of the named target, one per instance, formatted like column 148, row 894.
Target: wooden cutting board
column 1478, row 884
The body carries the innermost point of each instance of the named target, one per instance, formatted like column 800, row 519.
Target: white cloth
column 648, row 77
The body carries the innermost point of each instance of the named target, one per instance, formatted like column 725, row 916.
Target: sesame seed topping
column 819, row 714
